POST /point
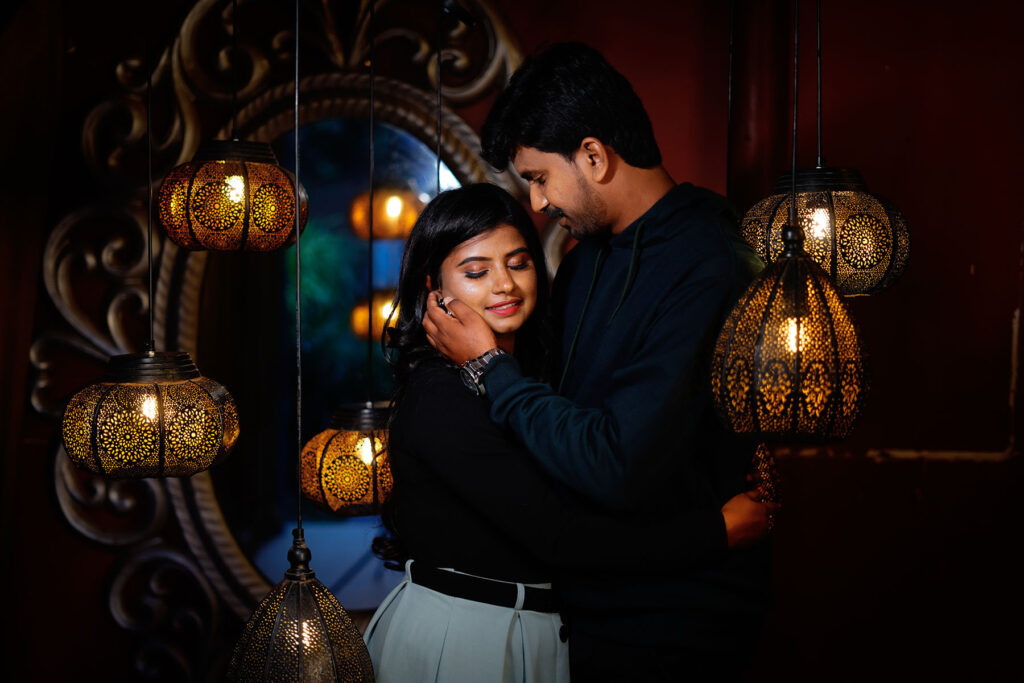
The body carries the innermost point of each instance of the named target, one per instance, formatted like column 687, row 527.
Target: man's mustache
column 554, row 212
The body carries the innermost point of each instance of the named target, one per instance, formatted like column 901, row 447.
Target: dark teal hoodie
column 632, row 424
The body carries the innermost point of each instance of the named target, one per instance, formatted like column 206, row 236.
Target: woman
column 485, row 528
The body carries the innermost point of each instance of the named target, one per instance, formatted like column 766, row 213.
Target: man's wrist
column 472, row 370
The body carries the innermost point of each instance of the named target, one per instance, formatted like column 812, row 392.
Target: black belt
column 482, row 590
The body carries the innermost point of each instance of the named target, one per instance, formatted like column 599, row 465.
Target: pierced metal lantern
column 382, row 303
column 231, row 196
column 860, row 240
column 345, row 468
column 151, row 415
column 788, row 364
column 300, row 632
column 394, row 213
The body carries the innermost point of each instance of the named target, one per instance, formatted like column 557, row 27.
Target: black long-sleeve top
column 467, row 496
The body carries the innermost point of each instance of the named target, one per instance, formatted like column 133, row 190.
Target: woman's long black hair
column 446, row 222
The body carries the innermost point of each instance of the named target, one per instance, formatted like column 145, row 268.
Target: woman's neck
column 506, row 342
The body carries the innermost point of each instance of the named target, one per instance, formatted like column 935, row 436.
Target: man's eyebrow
column 527, row 175
column 468, row 259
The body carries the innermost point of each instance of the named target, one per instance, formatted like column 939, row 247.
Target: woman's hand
column 747, row 519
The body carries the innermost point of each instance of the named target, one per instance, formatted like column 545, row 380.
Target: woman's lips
column 506, row 307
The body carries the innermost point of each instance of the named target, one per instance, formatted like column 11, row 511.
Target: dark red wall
column 884, row 568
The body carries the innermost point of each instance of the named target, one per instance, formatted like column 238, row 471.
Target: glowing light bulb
column 393, row 207
column 820, row 225
column 424, row 197
column 365, row 449
column 149, row 408
column 236, row 188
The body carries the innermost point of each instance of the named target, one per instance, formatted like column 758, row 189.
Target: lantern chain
column 298, row 285
column 369, row 259
column 151, row 343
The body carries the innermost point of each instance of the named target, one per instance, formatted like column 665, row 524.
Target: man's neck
column 636, row 191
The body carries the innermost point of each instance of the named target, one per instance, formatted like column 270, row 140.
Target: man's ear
column 593, row 156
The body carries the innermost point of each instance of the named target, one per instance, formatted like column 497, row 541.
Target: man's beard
column 586, row 221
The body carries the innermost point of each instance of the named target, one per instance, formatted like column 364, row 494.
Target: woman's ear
column 430, row 287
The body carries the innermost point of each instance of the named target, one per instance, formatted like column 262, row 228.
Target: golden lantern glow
column 788, row 363
column 150, row 416
column 300, row 632
column 394, row 213
column 861, row 241
column 345, row 469
column 383, row 302
column 231, row 196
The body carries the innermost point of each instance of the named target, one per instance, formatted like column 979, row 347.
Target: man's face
column 560, row 189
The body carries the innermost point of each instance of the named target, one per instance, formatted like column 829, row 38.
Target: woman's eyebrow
column 516, row 251
column 471, row 258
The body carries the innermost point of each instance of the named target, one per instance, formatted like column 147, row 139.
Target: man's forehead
column 530, row 160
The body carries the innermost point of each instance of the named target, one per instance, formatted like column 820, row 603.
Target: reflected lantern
column 345, row 468
column 394, row 213
column 788, row 363
column 231, row 196
column 151, row 415
column 300, row 632
column 861, row 241
column 382, row 304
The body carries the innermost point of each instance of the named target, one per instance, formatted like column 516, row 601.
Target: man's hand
column 747, row 519
column 462, row 337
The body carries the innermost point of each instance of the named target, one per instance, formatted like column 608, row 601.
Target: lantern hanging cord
column 369, row 258
column 821, row 161
column 440, row 39
column 234, row 62
column 796, row 84
column 728, row 103
column 151, row 343
column 298, row 287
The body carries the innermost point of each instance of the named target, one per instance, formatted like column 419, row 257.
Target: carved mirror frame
column 175, row 549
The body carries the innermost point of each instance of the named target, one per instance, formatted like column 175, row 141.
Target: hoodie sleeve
column 614, row 453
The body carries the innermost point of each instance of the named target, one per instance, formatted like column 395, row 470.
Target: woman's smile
column 505, row 308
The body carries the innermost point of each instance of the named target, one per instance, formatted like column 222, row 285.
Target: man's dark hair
column 562, row 95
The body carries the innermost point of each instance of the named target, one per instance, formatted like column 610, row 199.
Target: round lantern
column 381, row 306
column 788, row 364
column 151, row 415
column 345, row 468
column 300, row 632
column 231, row 196
column 860, row 240
column 394, row 213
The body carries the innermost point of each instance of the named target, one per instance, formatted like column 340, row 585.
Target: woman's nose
column 502, row 282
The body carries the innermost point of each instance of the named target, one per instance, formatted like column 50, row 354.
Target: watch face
column 467, row 379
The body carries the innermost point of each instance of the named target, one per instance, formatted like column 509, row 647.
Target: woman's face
column 494, row 275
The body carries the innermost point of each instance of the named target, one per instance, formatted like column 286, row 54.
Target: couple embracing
column 565, row 498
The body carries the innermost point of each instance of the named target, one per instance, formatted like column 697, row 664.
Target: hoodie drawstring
column 598, row 262
column 634, row 259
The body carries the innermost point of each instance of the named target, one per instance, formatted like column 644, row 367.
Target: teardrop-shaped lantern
column 232, row 195
column 861, row 241
column 394, row 213
column 788, row 364
column 345, row 468
column 300, row 632
column 151, row 415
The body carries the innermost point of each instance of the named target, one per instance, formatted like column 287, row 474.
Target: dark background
column 903, row 564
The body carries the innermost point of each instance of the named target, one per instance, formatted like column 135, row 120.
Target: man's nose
column 537, row 199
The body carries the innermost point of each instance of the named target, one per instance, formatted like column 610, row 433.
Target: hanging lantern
column 394, row 213
column 151, row 415
column 300, row 632
column 383, row 302
column 788, row 362
column 345, row 468
column 231, row 196
column 859, row 239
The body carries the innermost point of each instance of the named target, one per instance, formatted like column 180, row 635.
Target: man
column 629, row 422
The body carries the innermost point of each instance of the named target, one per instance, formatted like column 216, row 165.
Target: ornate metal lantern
column 394, row 213
column 860, row 240
column 231, row 196
column 300, row 632
column 345, row 468
column 788, row 364
column 151, row 415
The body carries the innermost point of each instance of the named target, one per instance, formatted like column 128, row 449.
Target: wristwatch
column 472, row 371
